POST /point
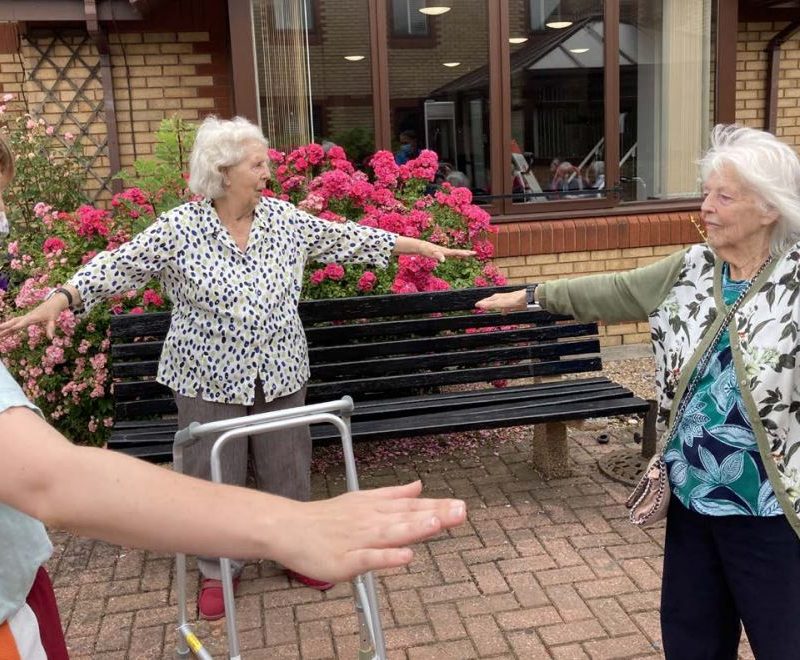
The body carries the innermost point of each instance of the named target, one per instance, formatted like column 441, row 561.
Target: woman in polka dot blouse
column 232, row 265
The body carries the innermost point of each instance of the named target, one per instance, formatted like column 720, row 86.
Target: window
column 315, row 89
column 294, row 14
column 557, row 106
column 543, row 105
column 439, row 97
column 665, row 96
column 407, row 20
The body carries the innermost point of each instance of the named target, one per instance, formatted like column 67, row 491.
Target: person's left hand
column 441, row 254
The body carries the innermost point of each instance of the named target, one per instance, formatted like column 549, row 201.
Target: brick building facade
column 178, row 61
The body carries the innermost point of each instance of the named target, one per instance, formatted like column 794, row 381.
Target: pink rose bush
column 397, row 198
column 68, row 377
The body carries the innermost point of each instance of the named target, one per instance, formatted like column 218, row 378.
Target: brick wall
column 752, row 66
column 155, row 76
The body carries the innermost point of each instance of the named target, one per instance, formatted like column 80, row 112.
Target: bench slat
column 345, row 333
column 430, row 361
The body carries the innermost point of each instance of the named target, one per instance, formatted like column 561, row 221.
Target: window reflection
column 665, row 96
column 557, row 109
column 439, row 94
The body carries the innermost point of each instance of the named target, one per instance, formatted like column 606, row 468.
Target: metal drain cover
column 624, row 465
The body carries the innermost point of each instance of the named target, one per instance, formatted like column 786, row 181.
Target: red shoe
column 319, row 585
column 210, row 602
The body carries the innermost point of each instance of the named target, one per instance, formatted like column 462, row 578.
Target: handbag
column 649, row 501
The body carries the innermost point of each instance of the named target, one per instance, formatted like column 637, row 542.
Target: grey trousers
column 282, row 459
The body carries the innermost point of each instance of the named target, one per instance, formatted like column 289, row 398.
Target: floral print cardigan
column 681, row 297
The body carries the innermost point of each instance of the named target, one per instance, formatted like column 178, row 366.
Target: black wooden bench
column 415, row 364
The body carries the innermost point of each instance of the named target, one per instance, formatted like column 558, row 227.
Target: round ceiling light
column 451, row 64
column 578, row 51
column 558, row 25
column 517, row 40
column 354, row 58
column 434, row 11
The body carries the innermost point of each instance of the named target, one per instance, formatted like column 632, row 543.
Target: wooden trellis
column 73, row 97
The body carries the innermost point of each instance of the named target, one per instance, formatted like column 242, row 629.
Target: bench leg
column 550, row 454
column 649, row 436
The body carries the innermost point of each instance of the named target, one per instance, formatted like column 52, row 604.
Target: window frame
column 502, row 209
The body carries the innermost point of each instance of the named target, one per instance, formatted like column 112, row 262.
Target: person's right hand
column 46, row 313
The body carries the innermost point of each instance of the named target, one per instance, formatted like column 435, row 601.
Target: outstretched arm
column 406, row 245
column 105, row 495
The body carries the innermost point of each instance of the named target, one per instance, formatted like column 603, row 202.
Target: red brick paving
column 541, row 570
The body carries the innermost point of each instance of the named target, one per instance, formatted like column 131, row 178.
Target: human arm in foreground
column 101, row 494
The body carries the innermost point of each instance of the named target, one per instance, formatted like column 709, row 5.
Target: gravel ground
column 636, row 373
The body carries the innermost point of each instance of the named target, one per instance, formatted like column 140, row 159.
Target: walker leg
column 189, row 638
column 230, row 608
column 180, row 587
column 375, row 616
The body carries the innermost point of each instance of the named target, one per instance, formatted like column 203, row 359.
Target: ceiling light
column 517, row 40
column 434, row 11
column 354, row 58
column 451, row 64
column 578, row 51
column 558, row 25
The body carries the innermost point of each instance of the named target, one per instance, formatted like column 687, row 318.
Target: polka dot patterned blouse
column 234, row 312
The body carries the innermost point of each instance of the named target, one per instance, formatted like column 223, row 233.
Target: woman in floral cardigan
column 732, row 551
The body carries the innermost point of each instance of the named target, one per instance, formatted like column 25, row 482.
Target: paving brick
column 568, row 602
column 606, row 587
column 614, row 619
column 528, row 618
column 457, row 650
column 446, row 621
column 486, row 636
column 627, row 646
column 407, row 607
column 574, row 631
column 488, row 578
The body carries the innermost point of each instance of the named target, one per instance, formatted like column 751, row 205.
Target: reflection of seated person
column 596, row 175
column 408, row 147
column 457, row 179
column 567, row 178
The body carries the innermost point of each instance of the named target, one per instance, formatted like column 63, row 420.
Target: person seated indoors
column 408, row 147
column 566, row 179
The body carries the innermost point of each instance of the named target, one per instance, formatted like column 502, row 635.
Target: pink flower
column 41, row 209
column 69, row 137
column 30, row 124
column 483, row 249
column 367, row 281
column 53, row 244
column 150, row 297
column 137, row 310
column 49, row 130
column 8, row 97
column 334, row 272
column 317, row 277
column 13, row 248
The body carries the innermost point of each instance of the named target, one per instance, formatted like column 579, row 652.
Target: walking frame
column 337, row 413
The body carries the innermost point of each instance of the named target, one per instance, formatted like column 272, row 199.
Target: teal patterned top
column 714, row 464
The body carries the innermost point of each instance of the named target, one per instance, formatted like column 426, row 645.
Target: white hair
column 769, row 168
column 219, row 143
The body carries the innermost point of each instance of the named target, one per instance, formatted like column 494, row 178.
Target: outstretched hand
column 441, row 254
column 503, row 302
column 345, row 536
column 46, row 314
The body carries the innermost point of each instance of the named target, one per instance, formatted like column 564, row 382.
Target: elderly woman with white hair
column 232, row 265
column 725, row 325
